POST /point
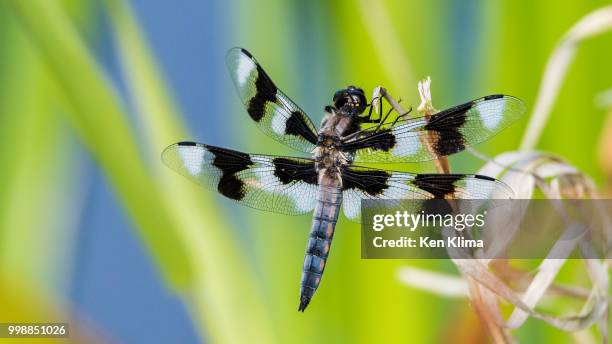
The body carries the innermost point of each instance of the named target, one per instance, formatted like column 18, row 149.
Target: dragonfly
column 331, row 177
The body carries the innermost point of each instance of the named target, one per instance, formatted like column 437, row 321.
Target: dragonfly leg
column 397, row 119
column 401, row 116
column 368, row 118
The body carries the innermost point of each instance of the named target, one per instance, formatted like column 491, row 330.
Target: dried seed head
column 426, row 107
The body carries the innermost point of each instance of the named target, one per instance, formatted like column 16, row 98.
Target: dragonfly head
column 350, row 100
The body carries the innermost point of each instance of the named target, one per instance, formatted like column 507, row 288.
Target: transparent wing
column 273, row 112
column 446, row 132
column 278, row 184
column 368, row 183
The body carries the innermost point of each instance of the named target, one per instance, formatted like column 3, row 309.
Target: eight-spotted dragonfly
column 291, row 185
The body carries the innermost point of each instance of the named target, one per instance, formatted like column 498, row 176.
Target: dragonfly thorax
column 328, row 155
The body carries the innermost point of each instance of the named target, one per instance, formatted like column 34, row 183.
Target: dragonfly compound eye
column 340, row 98
column 350, row 99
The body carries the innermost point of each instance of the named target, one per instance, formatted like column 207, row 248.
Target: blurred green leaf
column 223, row 275
column 98, row 118
column 39, row 197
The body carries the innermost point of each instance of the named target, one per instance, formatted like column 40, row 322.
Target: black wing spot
column 446, row 125
column 187, row 143
column 230, row 162
column 371, row 182
column 265, row 91
column 246, row 52
column 449, row 142
column 289, row 170
column 382, row 141
column 493, row 96
column 480, row 176
column 439, row 185
column 449, row 118
column 231, row 187
column 296, row 125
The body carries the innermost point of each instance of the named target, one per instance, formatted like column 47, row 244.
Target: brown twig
column 484, row 301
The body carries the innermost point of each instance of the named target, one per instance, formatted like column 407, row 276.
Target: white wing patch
column 279, row 121
column 406, row 144
column 350, row 207
column 295, row 192
column 264, row 176
column 395, row 192
column 477, row 188
column 244, row 70
column 491, row 112
column 193, row 159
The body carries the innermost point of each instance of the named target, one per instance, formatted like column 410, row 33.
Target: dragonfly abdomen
column 319, row 242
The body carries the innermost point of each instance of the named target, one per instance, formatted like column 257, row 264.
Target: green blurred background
column 96, row 231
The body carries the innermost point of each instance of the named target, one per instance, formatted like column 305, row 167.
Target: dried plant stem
column 487, row 307
column 484, row 301
column 594, row 23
